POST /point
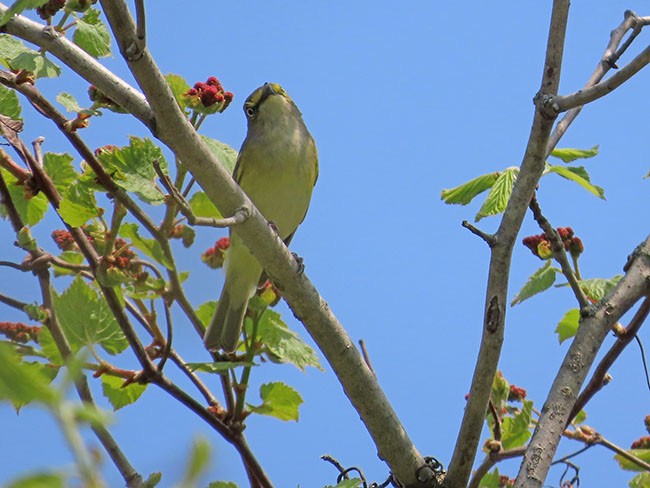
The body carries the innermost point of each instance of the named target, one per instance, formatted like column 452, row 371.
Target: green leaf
column 568, row 154
column 150, row 247
column 39, row 480
column 206, row 311
column 31, row 209
column 79, row 205
column 91, row 35
column 49, row 348
column 25, row 240
column 497, row 199
column 197, row 462
column 36, row 63
column 568, row 326
column 351, row 483
column 59, row 168
column 580, row 417
column 500, row 391
column 227, row 155
column 35, row 312
column 541, row 280
column 91, row 414
column 119, row 395
column 641, row 480
column 178, row 86
column 9, row 104
column 18, row 6
column 577, row 175
column 279, row 400
column 643, row 454
column 515, row 431
column 597, row 288
column 283, row 344
column 152, row 480
column 69, row 102
column 222, row 484
column 86, row 319
column 202, row 206
column 22, row 382
column 132, row 168
column 218, row 367
column 465, row 193
column 491, row 480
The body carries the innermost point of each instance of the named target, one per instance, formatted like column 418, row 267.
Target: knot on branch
column 547, row 105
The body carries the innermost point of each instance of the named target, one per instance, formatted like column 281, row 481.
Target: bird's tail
column 227, row 322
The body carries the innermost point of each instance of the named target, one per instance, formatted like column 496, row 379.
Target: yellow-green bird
column 277, row 168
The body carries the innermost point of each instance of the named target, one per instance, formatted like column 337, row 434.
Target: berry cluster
column 19, row 332
column 214, row 256
column 64, row 240
column 516, row 394
column 208, row 97
column 50, row 8
column 641, row 443
column 540, row 244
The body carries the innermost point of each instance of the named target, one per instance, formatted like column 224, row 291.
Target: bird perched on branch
column 277, row 168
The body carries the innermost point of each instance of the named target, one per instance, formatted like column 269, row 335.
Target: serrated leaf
column 641, row 480
column 36, row 63
column 9, row 103
column 597, row 288
column 43, row 479
column 279, row 400
column 150, row 247
column 91, row 35
column 132, row 168
column 69, row 102
column 178, row 86
column 118, row 395
column 497, row 199
column 515, row 431
column 568, row 325
column 202, row 206
column 205, row 311
column 491, row 480
column 86, row 319
column 577, row 175
column 643, row 454
column 219, row 367
column 72, row 257
column 541, row 280
column 465, row 193
column 22, row 382
column 30, row 208
column 59, row 168
column 18, row 6
column 570, row 154
column 283, row 343
column 227, row 155
column 79, row 205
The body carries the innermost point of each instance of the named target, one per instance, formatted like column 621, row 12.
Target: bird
column 277, row 168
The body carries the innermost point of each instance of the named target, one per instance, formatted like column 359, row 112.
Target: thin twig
column 490, row 239
column 559, row 253
column 366, row 356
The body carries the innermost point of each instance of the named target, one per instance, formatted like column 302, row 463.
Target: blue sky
column 403, row 101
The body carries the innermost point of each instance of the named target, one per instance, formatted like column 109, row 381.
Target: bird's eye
column 250, row 112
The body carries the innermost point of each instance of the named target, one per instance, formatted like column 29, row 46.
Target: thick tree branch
column 501, row 252
column 577, row 362
column 358, row 381
column 598, row 379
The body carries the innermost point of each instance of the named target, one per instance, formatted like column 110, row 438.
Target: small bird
column 277, row 168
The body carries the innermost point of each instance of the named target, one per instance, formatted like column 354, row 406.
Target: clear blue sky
column 403, row 99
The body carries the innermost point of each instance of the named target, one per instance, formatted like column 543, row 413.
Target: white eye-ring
column 250, row 112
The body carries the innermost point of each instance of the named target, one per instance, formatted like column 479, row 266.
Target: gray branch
column 590, row 336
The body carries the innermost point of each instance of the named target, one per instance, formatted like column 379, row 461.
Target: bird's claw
column 300, row 262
